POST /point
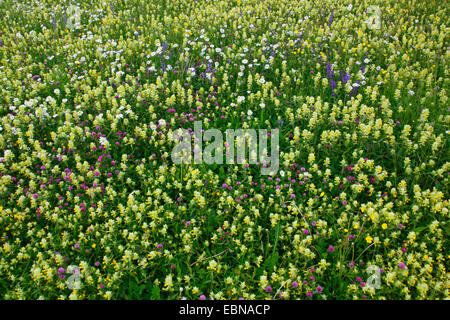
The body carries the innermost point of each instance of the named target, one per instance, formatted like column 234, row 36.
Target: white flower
column 240, row 99
column 103, row 141
column 249, row 112
column 262, row 81
column 282, row 173
column 245, row 61
column 162, row 122
column 350, row 7
column 262, row 105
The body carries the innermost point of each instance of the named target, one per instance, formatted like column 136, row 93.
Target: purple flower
column 319, row 289
column 295, row 284
column 401, row 265
column 268, row 289
column 344, row 76
column 202, row 297
column 331, row 18
column 330, row 249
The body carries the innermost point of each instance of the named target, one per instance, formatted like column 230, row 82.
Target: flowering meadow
column 93, row 207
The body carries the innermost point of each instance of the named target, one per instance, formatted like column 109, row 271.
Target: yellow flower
column 369, row 239
column 384, row 226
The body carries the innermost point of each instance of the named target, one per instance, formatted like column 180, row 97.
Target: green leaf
column 155, row 293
